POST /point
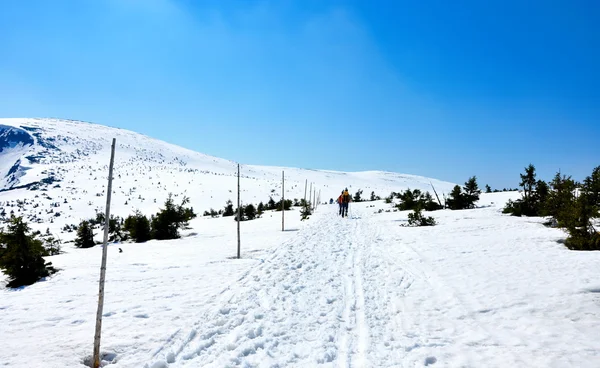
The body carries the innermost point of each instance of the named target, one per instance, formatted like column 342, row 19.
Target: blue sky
column 446, row 89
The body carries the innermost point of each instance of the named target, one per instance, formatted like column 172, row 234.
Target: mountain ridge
column 68, row 162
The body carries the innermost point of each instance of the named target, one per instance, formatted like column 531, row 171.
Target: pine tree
column 456, row 200
column 168, row 221
column 306, row 211
column 535, row 196
column 250, row 212
column 416, row 218
column 114, row 228
column 408, row 199
column 577, row 218
column 52, row 245
column 472, row 192
column 357, row 196
column 560, row 198
column 22, row 258
column 488, row 189
column 288, row 205
column 528, row 183
column 240, row 213
column 428, row 203
column 592, row 185
column 138, row 227
column 373, row 197
column 85, row 235
column 228, row 209
column 271, row 205
column 540, row 198
column 260, row 209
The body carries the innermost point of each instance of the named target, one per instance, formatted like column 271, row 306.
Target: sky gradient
column 435, row 88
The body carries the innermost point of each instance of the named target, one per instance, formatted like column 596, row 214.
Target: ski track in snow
column 304, row 305
column 332, row 296
column 478, row 290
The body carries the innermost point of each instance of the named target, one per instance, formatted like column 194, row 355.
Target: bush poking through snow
column 167, row 222
column 250, row 212
column 358, row 196
column 535, row 196
column 138, row 227
column 416, row 218
column 260, row 209
column 21, row 255
column 411, row 199
column 305, row 212
column 228, row 209
column 577, row 217
column 459, row 200
column 85, row 235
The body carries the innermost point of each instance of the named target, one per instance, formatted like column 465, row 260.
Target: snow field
column 365, row 292
column 479, row 290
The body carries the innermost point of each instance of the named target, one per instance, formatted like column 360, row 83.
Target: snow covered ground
column 69, row 165
column 479, row 290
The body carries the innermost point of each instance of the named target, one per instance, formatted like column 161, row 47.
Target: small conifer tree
column 85, row 235
column 21, row 255
column 228, row 209
column 138, row 227
column 168, row 221
column 260, row 209
column 416, row 218
column 472, row 192
column 456, row 199
column 306, row 211
column 250, row 212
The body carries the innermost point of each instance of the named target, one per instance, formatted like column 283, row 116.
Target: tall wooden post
column 283, row 201
column 98, row 332
column 436, row 195
column 239, row 215
column 310, row 197
column 305, row 186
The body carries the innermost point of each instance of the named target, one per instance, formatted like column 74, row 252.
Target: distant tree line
column 164, row 225
column 250, row 211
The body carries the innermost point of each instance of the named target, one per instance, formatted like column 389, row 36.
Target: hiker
column 346, row 198
column 340, row 201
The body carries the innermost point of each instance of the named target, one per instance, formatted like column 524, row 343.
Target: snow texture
column 480, row 289
column 69, row 162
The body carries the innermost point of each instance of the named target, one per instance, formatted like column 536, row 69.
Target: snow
column 76, row 155
column 480, row 289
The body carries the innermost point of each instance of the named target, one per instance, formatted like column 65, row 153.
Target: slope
column 479, row 290
column 63, row 175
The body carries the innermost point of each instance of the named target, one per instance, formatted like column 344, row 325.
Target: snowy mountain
column 480, row 289
column 54, row 172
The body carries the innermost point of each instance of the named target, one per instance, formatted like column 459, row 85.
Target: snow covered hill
column 54, row 173
column 481, row 289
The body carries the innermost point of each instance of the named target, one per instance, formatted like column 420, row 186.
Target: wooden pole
column 436, row 195
column 98, row 332
column 310, row 197
column 282, row 201
column 239, row 219
column 305, row 186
